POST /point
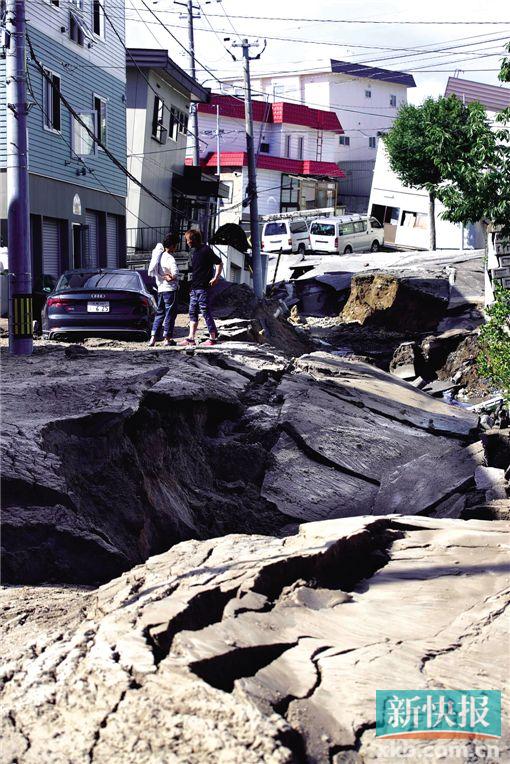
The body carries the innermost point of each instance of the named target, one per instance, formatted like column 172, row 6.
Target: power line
column 421, row 53
column 359, row 21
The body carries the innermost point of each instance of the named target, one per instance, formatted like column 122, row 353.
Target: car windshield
column 323, row 229
column 275, row 229
column 94, row 280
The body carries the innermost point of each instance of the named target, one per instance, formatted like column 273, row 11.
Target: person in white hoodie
column 164, row 269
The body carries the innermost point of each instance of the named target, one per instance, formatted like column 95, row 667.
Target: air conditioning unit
column 264, row 148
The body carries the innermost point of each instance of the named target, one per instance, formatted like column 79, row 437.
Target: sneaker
column 168, row 341
column 208, row 343
column 152, row 341
column 187, row 341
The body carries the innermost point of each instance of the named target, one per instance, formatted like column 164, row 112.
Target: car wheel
column 348, row 250
column 375, row 246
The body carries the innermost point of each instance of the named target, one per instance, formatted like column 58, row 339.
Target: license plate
column 98, row 307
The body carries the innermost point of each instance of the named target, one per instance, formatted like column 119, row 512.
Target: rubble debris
column 403, row 364
column 230, row 300
column 389, row 301
column 496, row 445
column 256, row 649
column 246, row 436
column 461, row 367
column 498, row 509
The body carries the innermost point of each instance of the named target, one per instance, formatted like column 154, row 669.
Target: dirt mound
column 385, row 300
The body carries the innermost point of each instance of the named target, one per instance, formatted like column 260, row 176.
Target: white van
column 285, row 236
column 346, row 234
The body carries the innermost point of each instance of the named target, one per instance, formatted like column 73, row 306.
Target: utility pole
column 252, row 198
column 190, row 8
column 218, row 164
column 18, row 211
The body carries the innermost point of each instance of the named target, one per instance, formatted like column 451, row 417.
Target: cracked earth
column 264, row 550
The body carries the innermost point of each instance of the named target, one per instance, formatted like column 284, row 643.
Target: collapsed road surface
column 257, row 650
column 112, row 456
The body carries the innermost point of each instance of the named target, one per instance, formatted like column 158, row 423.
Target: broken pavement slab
column 243, row 429
column 154, row 666
column 378, row 392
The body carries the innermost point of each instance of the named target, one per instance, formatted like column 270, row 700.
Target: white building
column 159, row 94
column 405, row 211
column 296, row 166
column 365, row 99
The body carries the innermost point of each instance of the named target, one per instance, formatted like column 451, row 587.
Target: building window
column 51, row 101
column 79, row 30
column 159, row 131
column 172, row 130
column 83, row 143
column 372, row 142
column 75, row 30
column 368, row 94
column 289, row 199
column 54, row 3
column 344, row 140
column 393, row 100
column 300, row 147
column 288, row 145
column 178, row 123
column 98, row 18
column 182, row 123
column 100, row 110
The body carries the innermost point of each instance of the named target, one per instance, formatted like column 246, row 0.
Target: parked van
column 286, row 236
column 346, row 234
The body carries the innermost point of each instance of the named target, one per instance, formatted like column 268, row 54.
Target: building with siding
column 77, row 194
column 159, row 96
column 295, row 167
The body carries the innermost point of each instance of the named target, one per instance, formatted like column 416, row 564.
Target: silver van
column 346, row 234
column 285, row 236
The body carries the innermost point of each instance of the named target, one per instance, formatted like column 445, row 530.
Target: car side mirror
column 47, row 289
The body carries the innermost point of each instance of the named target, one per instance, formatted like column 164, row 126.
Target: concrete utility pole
column 190, row 8
column 18, row 210
column 218, row 163
column 258, row 284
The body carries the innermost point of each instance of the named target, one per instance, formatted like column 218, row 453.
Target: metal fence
column 144, row 239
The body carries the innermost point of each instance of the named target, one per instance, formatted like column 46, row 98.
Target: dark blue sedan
column 98, row 302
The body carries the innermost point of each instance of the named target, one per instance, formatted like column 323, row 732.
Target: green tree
column 431, row 144
column 494, row 359
column 480, row 189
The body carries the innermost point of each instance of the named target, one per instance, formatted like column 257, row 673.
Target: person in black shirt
column 206, row 269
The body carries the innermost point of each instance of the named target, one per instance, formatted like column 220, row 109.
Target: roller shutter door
column 51, row 247
column 112, row 241
column 90, row 257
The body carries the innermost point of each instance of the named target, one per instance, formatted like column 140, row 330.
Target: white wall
column 106, row 52
column 234, row 138
column 149, row 161
column 387, row 190
column 360, row 117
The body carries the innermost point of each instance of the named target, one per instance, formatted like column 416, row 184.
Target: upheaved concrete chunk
column 387, row 300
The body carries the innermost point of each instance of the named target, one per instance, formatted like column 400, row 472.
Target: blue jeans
column 165, row 314
column 199, row 301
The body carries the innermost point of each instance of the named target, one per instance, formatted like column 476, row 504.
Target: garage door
column 90, row 257
column 112, row 241
column 52, row 247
